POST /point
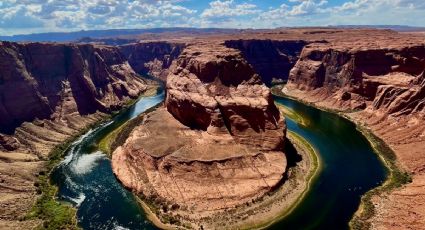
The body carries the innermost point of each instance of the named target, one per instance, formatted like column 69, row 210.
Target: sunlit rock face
column 216, row 90
column 51, row 80
column 351, row 77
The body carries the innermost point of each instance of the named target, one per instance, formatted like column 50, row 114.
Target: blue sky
column 31, row 16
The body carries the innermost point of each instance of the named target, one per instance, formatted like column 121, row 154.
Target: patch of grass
column 55, row 215
column 105, row 145
column 290, row 113
column 121, row 134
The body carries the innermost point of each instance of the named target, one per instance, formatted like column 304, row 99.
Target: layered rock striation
column 217, row 144
column 352, row 78
column 218, row 91
column 50, row 81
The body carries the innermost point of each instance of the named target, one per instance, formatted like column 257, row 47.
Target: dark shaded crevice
column 141, row 54
column 225, row 120
column 272, row 60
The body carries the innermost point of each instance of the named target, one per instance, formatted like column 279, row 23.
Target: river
column 349, row 169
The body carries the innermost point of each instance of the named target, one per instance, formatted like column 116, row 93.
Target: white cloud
column 25, row 16
column 319, row 13
column 57, row 15
column 228, row 8
column 227, row 14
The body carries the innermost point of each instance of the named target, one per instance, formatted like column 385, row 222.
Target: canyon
column 218, row 112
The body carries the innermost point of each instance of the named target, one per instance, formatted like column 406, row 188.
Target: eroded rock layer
column 193, row 169
column 351, row 77
column 49, row 81
column 217, row 144
column 218, row 91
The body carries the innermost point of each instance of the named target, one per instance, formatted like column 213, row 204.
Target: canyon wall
column 48, row 81
column 351, row 78
column 271, row 59
column 152, row 58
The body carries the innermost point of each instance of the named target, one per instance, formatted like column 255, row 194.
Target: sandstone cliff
column 152, row 58
column 351, row 77
column 218, row 90
column 49, row 81
column 219, row 145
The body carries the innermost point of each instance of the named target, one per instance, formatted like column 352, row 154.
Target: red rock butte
column 219, row 145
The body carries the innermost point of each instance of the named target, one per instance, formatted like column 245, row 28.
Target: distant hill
column 130, row 34
column 399, row 28
column 72, row 36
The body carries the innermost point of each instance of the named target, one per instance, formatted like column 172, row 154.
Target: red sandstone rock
column 9, row 143
column 46, row 80
column 215, row 89
column 374, row 74
column 389, row 78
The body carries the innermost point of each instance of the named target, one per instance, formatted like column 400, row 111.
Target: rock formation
column 223, row 141
column 351, row 77
column 219, row 144
column 152, row 58
column 218, row 90
column 8, row 143
column 49, row 81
